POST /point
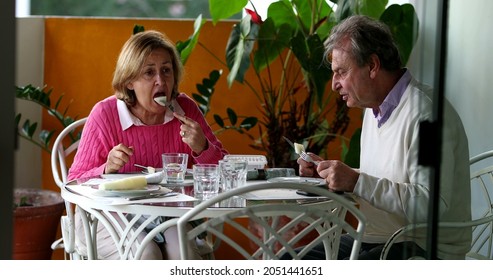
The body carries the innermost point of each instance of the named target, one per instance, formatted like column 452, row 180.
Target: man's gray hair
column 367, row 36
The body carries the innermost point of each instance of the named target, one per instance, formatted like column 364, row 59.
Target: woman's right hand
column 117, row 158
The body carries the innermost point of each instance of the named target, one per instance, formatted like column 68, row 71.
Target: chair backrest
column 59, row 169
column 59, row 153
column 482, row 206
column 482, row 212
column 277, row 229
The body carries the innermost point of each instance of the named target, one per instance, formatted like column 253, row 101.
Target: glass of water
column 175, row 167
column 205, row 179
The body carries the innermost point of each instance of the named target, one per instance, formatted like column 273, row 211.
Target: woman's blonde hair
column 132, row 58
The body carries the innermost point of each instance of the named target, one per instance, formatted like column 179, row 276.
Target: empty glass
column 233, row 173
column 205, row 179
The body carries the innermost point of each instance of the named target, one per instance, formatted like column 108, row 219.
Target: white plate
column 298, row 180
column 148, row 189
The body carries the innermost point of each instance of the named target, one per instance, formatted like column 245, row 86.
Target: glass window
column 121, row 8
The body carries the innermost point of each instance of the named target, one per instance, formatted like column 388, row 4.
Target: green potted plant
column 37, row 212
column 300, row 103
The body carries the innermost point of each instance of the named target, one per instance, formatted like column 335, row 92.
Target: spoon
column 162, row 100
column 147, row 169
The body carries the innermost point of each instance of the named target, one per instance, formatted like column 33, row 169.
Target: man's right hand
column 308, row 169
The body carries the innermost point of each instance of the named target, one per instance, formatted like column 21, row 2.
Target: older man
column 391, row 188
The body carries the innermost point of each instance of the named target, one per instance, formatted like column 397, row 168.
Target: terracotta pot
column 35, row 226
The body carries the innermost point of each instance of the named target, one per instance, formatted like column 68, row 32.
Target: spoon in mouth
column 162, row 100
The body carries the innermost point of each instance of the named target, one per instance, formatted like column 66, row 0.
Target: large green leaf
column 223, row 9
column 309, row 53
column 272, row 41
column 310, row 13
column 282, row 13
column 187, row 48
column 403, row 23
column 238, row 49
column 373, row 8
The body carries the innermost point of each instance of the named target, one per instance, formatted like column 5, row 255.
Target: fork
column 306, row 157
column 152, row 195
column 303, row 154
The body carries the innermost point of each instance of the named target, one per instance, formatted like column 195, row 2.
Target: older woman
column 132, row 127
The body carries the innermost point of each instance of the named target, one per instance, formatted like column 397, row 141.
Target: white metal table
column 126, row 221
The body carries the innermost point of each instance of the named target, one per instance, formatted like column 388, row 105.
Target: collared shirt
column 127, row 119
column 392, row 100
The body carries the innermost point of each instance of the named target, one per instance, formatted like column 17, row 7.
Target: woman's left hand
column 192, row 134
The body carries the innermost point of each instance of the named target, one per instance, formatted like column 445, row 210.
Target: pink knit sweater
column 103, row 131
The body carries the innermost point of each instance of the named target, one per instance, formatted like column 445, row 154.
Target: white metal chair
column 59, row 169
column 320, row 222
column 482, row 222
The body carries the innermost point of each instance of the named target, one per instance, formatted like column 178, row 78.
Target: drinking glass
column 175, row 167
column 233, row 173
column 205, row 179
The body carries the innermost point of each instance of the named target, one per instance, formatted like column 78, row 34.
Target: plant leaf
column 45, row 137
column 187, row 48
column 309, row 52
column 309, row 13
column 238, row 49
column 233, row 118
column 282, row 13
column 18, row 119
column 372, row 8
column 200, row 99
column 249, row 122
column 351, row 158
column 138, row 28
column 403, row 22
column 272, row 41
column 214, row 75
column 218, row 120
column 28, row 129
column 223, row 9
column 204, row 90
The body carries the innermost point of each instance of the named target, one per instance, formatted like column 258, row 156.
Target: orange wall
column 80, row 54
